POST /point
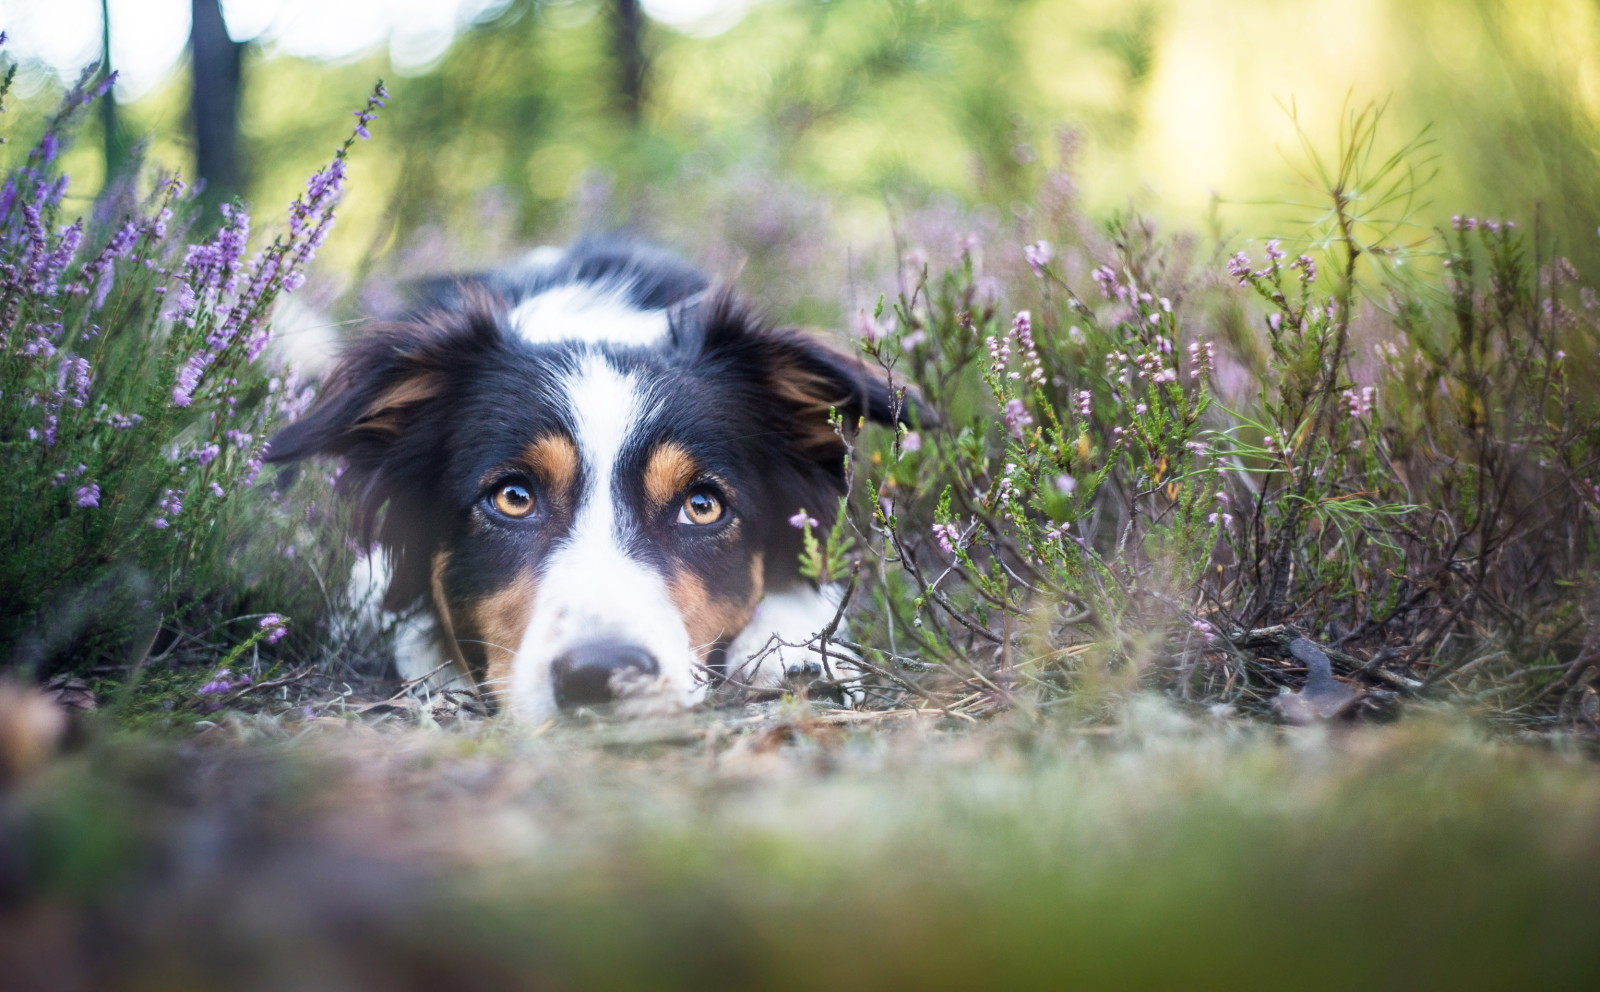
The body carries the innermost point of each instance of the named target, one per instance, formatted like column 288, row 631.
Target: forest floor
column 787, row 845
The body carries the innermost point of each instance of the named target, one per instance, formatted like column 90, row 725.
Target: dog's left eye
column 700, row 508
column 513, row 499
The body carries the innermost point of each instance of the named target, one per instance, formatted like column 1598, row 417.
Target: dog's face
column 587, row 519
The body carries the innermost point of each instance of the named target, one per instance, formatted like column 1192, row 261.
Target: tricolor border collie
column 582, row 472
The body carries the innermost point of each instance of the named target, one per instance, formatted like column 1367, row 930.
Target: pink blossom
column 276, row 625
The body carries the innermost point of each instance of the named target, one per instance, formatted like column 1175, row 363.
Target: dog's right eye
column 512, row 499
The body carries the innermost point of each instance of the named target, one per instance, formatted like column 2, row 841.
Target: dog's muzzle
column 602, row 671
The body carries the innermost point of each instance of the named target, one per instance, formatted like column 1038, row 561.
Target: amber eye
column 700, row 508
column 513, row 499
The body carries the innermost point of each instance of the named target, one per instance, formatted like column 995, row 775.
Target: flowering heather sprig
column 214, row 266
column 276, row 625
column 188, row 380
column 1038, row 256
column 1022, row 330
column 74, row 372
column 999, row 354
column 171, row 503
column 1239, row 267
column 1017, row 418
column 1221, row 514
column 127, row 388
column 948, row 536
column 1360, row 404
column 802, row 520
column 1106, row 278
column 1307, row 267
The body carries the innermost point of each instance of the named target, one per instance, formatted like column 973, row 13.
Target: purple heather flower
column 252, row 469
column 183, row 303
column 1038, row 255
column 1066, row 483
column 1106, row 277
column 74, row 369
column 214, row 266
column 1017, row 418
column 188, row 380
column 171, row 502
column 160, row 524
column 87, row 497
column 1239, row 268
column 1359, row 404
column 948, row 536
column 802, row 519
column 276, row 625
column 911, row 442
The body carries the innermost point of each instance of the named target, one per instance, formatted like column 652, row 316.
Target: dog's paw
column 833, row 675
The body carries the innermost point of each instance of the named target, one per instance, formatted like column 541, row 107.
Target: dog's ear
column 373, row 411
column 803, row 378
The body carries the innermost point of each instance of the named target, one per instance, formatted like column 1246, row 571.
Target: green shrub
column 135, row 399
column 1152, row 466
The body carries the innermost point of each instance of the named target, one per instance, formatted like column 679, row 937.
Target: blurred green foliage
column 515, row 134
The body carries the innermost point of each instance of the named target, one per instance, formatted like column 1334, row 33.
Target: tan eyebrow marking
column 554, row 459
column 667, row 473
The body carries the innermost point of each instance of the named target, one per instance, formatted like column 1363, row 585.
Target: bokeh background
column 769, row 122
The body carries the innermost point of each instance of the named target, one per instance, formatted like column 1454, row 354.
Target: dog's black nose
column 598, row 673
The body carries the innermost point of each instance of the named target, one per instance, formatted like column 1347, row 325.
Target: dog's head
column 587, row 518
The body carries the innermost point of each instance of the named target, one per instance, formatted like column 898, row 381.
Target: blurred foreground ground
column 795, row 849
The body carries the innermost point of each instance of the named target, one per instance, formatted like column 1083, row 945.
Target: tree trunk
column 214, row 102
column 627, row 48
column 114, row 142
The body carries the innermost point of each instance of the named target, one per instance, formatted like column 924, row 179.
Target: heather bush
column 136, row 393
column 1139, row 464
column 1326, row 473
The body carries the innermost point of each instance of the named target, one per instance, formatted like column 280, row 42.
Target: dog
column 587, row 473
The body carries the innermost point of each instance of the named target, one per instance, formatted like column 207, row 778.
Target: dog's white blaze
column 592, row 590
column 588, row 312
